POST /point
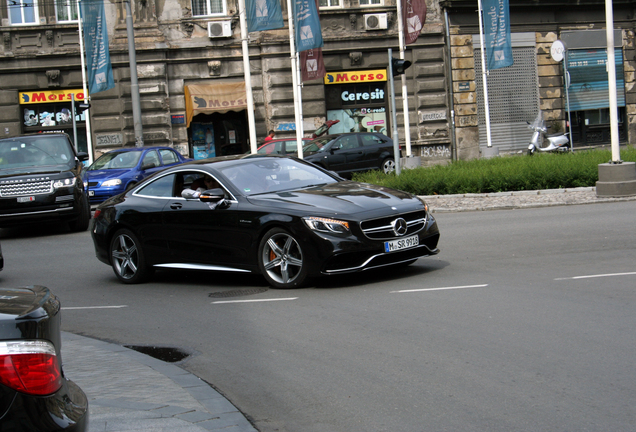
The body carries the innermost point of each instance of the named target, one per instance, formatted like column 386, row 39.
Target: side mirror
column 215, row 196
column 148, row 166
column 82, row 156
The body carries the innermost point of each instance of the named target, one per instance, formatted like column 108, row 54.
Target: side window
column 291, row 146
column 323, row 4
column 371, row 2
column 349, row 142
column 151, row 160
column 168, row 156
column 371, row 140
column 208, row 7
column 161, row 187
column 23, row 11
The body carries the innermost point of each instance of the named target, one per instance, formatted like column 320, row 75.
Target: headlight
column 85, row 184
column 67, row 182
column 423, row 202
column 115, row 182
column 327, row 225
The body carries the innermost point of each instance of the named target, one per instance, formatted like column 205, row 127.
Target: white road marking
column 439, row 289
column 597, row 276
column 254, row 301
column 95, row 307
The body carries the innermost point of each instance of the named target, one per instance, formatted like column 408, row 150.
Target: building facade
column 184, row 47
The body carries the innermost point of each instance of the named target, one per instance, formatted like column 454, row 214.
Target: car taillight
column 30, row 367
column 97, row 212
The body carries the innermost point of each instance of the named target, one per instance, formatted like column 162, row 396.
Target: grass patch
column 501, row 174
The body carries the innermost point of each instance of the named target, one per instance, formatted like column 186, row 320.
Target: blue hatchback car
column 114, row 172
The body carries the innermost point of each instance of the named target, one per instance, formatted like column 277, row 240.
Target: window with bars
column 23, row 11
column 66, row 10
column 208, row 7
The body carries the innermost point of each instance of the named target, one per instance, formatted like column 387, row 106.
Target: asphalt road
column 524, row 322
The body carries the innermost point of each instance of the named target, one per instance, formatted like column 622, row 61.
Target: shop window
column 23, row 11
column 66, row 10
column 208, row 7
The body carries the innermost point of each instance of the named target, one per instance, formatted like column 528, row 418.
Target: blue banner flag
column 497, row 33
column 308, row 31
column 264, row 15
column 100, row 71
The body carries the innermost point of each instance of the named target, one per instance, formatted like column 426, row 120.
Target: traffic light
column 399, row 66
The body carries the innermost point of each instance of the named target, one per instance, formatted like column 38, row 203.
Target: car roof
column 129, row 149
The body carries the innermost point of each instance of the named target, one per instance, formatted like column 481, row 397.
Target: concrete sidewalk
column 130, row 391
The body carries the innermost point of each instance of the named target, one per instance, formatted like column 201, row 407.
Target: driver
column 200, row 185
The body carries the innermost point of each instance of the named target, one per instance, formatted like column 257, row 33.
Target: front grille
column 382, row 228
column 26, row 188
column 93, row 183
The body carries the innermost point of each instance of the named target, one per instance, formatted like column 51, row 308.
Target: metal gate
column 513, row 96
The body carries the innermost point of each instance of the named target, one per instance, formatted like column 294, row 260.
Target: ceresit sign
column 355, row 77
column 50, row 96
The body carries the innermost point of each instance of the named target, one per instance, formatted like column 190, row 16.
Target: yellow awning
column 211, row 98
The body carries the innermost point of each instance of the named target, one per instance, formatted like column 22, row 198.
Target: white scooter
column 556, row 143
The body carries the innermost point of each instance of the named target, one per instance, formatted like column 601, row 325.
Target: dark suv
column 40, row 181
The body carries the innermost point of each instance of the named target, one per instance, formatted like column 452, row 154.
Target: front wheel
column 531, row 150
column 388, row 165
column 84, row 217
column 280, row 259
column 127, row 258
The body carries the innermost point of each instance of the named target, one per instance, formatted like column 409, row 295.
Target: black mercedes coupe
column 278, row 216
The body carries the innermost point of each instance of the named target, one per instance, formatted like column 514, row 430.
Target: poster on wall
column 359, row 120
column 203, row 145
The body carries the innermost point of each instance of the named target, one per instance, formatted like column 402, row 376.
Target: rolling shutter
column 589, row 87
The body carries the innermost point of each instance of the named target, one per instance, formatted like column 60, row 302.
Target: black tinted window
column 161, row 187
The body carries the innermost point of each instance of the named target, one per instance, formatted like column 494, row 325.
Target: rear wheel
column 280, row 259
column 127, row 258
column 388, row 165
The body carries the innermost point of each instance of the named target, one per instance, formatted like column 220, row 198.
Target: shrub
column 505, row 173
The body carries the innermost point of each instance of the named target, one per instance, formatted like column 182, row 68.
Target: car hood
column 342, row 197
column 106, row 174
column 47, row 169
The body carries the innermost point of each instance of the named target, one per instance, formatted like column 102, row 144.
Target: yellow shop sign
column 50, row 96
column 355, row 77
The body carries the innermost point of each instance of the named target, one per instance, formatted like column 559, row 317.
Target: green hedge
column 500, row 174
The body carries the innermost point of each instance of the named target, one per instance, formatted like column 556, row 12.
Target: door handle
column 176, row 206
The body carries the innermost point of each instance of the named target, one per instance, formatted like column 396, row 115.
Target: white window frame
column 333, row 6
column 208, row 8
column 34, row 5
column 71, row 9
column 371, row 3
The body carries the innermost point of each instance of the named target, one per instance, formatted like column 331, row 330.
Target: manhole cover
column 237, row 292
column 170, row 355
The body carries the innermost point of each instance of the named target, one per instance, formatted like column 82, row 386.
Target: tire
column 84, row 217
column 127, row 258
column 280, row 259
column 530, row 151
column 388, row 165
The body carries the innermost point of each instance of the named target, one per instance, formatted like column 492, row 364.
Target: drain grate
column 170, row 355
column 237, row 292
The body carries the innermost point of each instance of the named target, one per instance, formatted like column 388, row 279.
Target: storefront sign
column 178, row 118
column 463, row 86
column 376, row 95
column 210, row 98
column 432, row 115
column 52, row 96
column 109, row 139
column 355, row 77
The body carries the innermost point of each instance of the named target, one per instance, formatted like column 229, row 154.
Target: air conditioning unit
column 218, row 29
column 375, row 21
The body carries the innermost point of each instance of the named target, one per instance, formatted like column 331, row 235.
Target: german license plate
column 26, row 199
column 91, row 193
column 405, row 243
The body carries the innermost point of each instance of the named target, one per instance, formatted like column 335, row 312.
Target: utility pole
column 134, row 84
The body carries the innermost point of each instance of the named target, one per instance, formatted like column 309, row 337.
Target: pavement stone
column 517, row 200
column 130, row 391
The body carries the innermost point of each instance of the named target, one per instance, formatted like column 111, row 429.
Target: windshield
column 35, row 151
column 116, row 160
column 317, row 145
column 274, row 175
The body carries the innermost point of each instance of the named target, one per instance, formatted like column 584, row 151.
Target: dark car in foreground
column 35, row 395
column 115, row 171
column 277, row 216
column 348, row 153
column 40, row 181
